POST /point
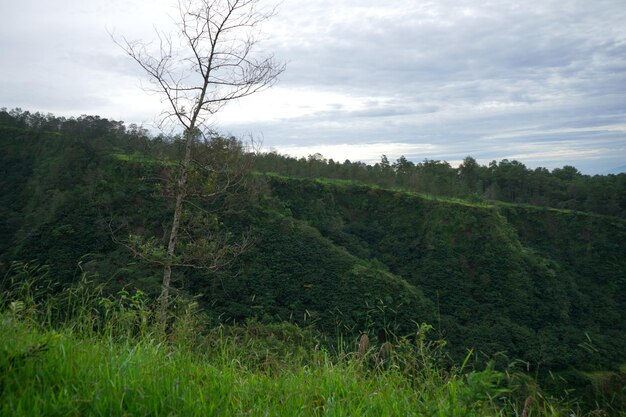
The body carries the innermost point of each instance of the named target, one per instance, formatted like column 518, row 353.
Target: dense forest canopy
column 507, row 181
column 513, row 262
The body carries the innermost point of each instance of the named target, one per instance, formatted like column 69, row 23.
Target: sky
column 539, row 81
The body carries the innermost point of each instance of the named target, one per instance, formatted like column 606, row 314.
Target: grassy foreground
column 51, row 373
column 82, row 354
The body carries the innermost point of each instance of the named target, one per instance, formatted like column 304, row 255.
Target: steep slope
column 536, row 300
column 293, row 273
column 69, row 202
column 542, row 285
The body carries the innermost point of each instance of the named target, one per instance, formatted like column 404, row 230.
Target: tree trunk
column 178, row 209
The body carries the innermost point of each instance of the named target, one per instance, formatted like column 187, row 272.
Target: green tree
column 403, row 169
column 470, row 175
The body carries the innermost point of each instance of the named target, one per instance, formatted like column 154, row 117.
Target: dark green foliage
column 507, row 181
column 491, row 291
column 284, row 278
column 113, row 358
column 546, row 286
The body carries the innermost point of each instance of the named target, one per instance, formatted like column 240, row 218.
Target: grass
column 52, row 373
column 47, row 373
column 355, row 183
column 140, row 158
column 466, row 202
column 108, row 357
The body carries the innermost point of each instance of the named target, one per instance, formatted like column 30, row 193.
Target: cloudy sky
column 540, row 81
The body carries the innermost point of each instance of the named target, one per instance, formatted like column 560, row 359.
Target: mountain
column 511, row 281
column 617, row 170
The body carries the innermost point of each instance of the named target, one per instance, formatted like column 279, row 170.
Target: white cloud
column 469, row 77
column 365, row 152
column 511, row 134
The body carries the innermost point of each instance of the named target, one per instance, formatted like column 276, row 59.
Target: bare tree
column 209, row 62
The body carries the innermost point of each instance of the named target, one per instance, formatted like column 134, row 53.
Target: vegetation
column 211, row 62
column 534, row 288
column 507, row 181
column 107, row 358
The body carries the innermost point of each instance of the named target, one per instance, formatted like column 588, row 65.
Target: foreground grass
column 50, row 373
column 78, row 353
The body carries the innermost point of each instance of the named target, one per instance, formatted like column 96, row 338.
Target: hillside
column 546, row 286
column 526, row 282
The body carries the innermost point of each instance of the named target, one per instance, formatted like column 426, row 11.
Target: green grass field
column 49, row 373
column 107, row 357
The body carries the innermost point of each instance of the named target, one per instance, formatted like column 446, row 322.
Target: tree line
column 507, row 181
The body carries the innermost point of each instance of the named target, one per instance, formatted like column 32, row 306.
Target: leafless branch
column 208, row 63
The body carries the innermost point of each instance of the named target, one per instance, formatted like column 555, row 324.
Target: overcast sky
column 540, row 81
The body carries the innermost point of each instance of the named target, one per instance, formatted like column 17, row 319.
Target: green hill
column 547, row 286
column 530, row 283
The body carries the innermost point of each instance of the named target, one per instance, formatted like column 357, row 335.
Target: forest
column 490, row 275
column 505, row 181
